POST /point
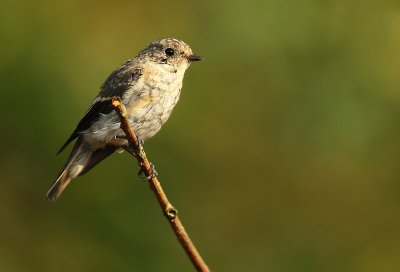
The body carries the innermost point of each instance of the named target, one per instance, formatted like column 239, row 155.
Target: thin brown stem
column 169, row 211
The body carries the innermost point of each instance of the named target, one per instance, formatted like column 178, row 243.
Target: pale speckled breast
column 159, row 92
column 149, row 103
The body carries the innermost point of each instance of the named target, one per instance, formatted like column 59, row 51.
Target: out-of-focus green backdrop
column 282, row 154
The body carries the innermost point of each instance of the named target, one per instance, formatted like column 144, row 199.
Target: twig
column 169, row 211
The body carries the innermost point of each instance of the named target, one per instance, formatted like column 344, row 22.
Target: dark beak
column 192, row 58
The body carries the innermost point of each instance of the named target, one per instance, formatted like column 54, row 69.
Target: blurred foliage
column 282, row 154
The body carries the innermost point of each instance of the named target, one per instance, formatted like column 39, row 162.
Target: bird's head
column 171, row 52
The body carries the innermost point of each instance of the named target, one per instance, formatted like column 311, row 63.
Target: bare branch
column 169, row 211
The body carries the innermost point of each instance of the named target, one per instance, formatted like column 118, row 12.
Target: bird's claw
column 139, row 147
column 137, row 150
column 142, row 176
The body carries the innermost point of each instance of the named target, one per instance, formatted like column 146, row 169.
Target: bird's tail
column 78, row 160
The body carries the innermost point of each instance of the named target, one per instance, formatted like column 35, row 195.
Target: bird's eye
column 169, row 51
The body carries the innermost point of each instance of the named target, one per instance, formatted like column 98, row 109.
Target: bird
column 149, row 86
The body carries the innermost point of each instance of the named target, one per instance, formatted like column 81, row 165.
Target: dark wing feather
column 115, row 85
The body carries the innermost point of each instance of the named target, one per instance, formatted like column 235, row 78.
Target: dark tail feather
column 58, row 187
column 81, row 160
column 98, row 156
column 77, row 161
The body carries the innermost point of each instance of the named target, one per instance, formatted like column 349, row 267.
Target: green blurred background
column 282, row 154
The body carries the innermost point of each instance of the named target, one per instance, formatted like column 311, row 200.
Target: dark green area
column 282, row 154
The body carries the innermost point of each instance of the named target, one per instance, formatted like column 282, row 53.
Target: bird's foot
column 142, row 176
column 137, row 150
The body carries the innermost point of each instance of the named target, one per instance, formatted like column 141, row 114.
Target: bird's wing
column 117, row 83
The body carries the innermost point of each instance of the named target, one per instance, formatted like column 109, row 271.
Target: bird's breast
column 152, row 99
column 155, row 92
